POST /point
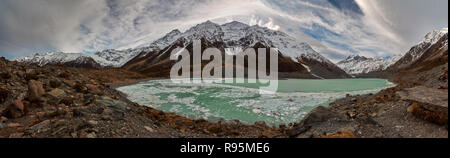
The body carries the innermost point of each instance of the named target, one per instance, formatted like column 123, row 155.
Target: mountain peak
column 207, row 23
column 175, row 31
column 434, row 36
column 356, row 57
column 445, row 30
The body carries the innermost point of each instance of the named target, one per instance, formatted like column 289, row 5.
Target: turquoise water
column 212, row 101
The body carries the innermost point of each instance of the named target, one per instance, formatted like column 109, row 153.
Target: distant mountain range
column 357, row 64
column 296, row 60
column 60, row 58
column 106, row 58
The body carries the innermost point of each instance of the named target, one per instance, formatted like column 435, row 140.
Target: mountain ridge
column 234, row 37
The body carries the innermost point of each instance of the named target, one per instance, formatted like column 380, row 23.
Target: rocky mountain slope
column 432, row 43
column 232, row 38
column 426, row 63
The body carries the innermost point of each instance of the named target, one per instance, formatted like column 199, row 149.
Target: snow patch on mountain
column 114, row 58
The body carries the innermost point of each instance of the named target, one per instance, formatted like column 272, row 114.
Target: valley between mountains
column 74, row 95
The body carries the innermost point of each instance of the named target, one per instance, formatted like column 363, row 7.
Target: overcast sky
column 335, row 28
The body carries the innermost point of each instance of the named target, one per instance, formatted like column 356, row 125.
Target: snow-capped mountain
column 234, row 37
column 60, row 58
column 106, row 58
column 237, row 36
column 114, row 58
column 436, row 38
column 356, row 64
column 425, row 63
column 159, row 44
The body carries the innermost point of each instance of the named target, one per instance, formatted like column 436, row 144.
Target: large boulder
column 427, row 103
column 14, row 110
column 35, row 90
column 322, row 121
column 115, row 108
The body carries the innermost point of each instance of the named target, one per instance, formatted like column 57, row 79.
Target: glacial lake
column 212, row 101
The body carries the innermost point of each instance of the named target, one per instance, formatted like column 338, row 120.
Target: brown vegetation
column 420, row 111
column 341, row 134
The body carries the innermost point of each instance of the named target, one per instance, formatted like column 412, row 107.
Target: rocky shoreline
column 381, row 115
column 61, row 102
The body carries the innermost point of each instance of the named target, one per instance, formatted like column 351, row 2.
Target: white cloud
column 269, row 24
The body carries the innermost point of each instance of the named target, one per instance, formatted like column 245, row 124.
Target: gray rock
column 426, row 95
column 427, row 103
column 44, row 126
column 318, row 117
column 116, row 107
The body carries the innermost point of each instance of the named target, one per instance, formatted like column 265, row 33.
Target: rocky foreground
column 382, row 115
column 53, row 101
